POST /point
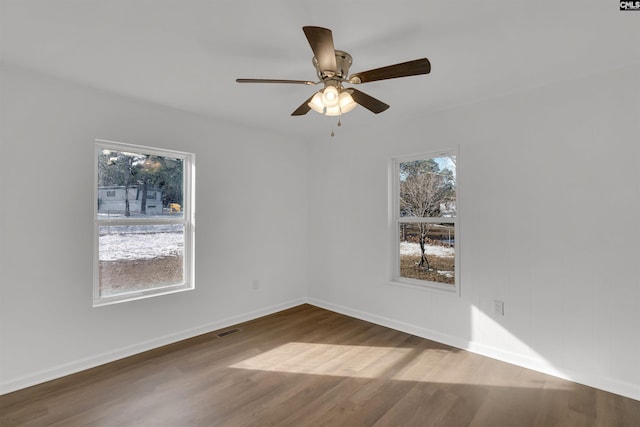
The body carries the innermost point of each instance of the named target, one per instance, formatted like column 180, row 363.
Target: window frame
column 187, row 220
column 395, row 220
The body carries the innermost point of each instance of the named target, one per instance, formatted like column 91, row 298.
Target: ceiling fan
column 332, row 67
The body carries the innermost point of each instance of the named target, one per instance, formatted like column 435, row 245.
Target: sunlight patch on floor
column 327, row 359
column 401, row 364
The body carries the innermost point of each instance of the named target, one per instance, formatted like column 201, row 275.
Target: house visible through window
column 144, row 246
column 424, row 224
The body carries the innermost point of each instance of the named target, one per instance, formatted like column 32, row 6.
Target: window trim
column 187, row 220
column 394, row 225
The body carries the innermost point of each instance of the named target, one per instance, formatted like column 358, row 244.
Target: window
column 142, row 249
column 424, row 224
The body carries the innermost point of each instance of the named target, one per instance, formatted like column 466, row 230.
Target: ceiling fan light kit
column 332, row 101
column 332, row 67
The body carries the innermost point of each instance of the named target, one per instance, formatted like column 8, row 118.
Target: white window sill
column 426, row 286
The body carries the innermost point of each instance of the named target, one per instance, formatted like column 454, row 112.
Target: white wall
column 245, row 181
column 549, row 208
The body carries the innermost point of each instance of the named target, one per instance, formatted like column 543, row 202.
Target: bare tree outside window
column 426, row 218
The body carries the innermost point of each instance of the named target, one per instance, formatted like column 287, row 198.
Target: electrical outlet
column 256, row 285
column 498, row 307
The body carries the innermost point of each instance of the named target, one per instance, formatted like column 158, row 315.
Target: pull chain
column 339, row 122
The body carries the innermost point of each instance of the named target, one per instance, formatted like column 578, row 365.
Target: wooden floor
column 310, row 367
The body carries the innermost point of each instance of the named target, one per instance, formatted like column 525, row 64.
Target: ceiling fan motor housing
column 343, row 63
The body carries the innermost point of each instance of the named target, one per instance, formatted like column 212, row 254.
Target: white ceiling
column 187, row 53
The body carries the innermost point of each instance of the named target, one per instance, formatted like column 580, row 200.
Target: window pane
column 427, row 252
column 428, row 187
column 139, row 257
column 139, row 185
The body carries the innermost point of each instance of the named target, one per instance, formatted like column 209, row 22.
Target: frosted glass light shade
column 346, row 102
column 316, row 103
column 330, row 96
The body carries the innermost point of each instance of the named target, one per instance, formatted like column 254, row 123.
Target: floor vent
column 229, row 332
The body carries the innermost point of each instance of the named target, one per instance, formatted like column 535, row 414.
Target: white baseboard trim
column 120, row 353
column 390, row 323
column 597, row 381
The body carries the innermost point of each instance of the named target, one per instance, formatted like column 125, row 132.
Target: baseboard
column 536, row 364
column 111, row 356
column 390, row 323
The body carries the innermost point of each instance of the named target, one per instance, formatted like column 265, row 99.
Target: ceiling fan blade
column 321, row 42
column 300, row 82
column 304, row 108
column 404, row 69
column 367, row 101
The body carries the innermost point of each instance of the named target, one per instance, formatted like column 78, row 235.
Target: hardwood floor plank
column 310, row 367
column 425, row 405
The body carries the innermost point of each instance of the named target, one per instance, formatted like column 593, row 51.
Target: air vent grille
column 227, row 333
